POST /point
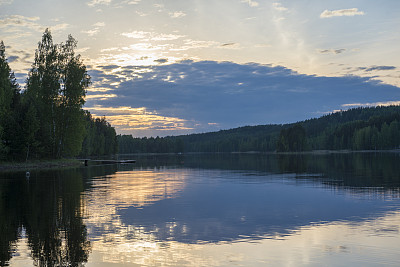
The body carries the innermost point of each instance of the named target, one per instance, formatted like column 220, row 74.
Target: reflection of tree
column 342, row 170
column 49, row 208
column 10, row 220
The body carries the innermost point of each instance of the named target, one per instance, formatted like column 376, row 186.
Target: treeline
column 128, row 144
column 369, row 128
column 46, row 119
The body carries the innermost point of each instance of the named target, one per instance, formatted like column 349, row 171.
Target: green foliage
column 47, row 120
column 100, row 138
column 358, row 129
column 292, row 139
column 56, row 84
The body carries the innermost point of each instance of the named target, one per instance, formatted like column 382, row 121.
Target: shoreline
column 39, row 164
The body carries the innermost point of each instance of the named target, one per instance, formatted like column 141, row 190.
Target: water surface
column 206, row 210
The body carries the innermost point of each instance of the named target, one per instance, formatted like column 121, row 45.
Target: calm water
column 206, row 210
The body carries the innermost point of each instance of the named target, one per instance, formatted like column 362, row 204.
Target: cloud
column 250, row 3
column 341, row 12
column 21, row 21
column 208, row 95
column 114, row 3
column 279, row 7
column 372, row 68
column 161, row 60
column 96, row 29
column 5, row 2
column 151, row 36
column 11, row 59
column 99, row 24
column 98, row 2
column 18, row 26
column 177, row 14
column 230, row 46
column 21, row 56
column 375, row 104
column 137, row 120
column 91, row 32
column 332, row 51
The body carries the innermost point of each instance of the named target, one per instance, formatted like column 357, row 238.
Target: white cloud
column 92, row 32
column 4, row 2
column 116, row 4
column 279, row 7
column 250, row 3
column 147, row 36
column 59, row 27
column 21, row 21
column 130, row 2
column 99, row 24
column 98, row 2
column 177, row 14
column 376, row 104
column 341, row 12
column 96, row 29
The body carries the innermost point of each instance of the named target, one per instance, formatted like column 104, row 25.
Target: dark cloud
column 161, row 60
column 235, row 95
column 372, row 68
column 332, row 51
column 12, row 58
column 228, row 44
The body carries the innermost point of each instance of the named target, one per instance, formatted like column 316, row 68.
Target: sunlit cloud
column 251, row 3
column 126, row 118
column 195, row 44
column 91, row 32
column 95, row 30
column 101, row 96
column 21, row 21
column 341, row 12
column 98, row 2
column 99, row 24
column 376, row 104
column 279, row 7
column 147, row 36
column 177, row 14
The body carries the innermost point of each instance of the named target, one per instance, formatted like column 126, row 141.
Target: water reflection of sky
column 195, row 217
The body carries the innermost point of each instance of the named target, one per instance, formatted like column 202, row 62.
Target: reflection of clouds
column 130, row 188
column 335, row 243
column 138, row 188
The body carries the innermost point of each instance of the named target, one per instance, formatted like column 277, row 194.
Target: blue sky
column 176, row 67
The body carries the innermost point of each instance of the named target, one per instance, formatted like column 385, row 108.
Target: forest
column 364, row 128
column 46, row 118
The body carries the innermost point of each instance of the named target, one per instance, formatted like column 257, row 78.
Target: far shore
column 70, row 163
column 39, row 164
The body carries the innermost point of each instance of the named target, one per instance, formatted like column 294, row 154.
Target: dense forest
column 365, row 128
column 46, row 119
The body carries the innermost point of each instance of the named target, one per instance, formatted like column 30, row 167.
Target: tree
column 9, row 98
column 292, row 139
column 56, row 84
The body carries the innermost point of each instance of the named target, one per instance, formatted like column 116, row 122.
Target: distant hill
column 356, row 129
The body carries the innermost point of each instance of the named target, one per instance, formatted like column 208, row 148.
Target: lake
column 206, row 210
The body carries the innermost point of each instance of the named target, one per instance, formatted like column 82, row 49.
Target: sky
column 171, row 67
